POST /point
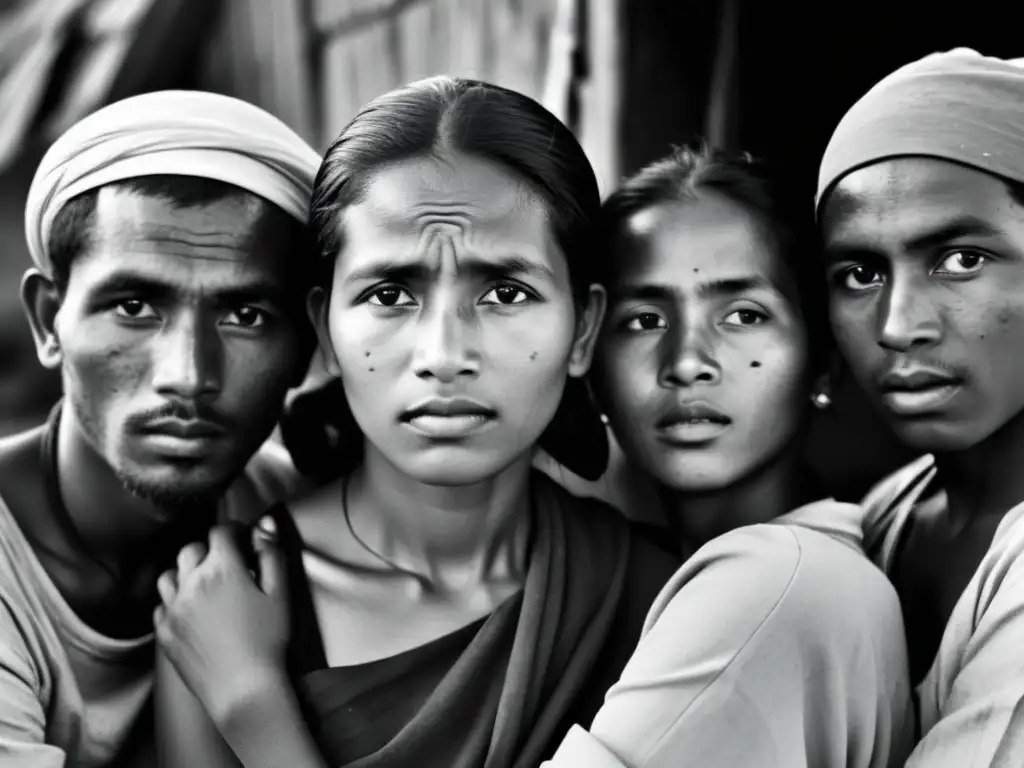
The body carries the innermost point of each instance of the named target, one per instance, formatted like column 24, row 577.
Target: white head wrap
column 182, row 133
column 955, row 105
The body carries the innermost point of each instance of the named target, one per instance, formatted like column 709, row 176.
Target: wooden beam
column 600, row 91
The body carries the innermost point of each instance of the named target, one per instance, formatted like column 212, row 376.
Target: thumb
column 272, row 571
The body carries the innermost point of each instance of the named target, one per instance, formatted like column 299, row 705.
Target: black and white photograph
column 511, row 384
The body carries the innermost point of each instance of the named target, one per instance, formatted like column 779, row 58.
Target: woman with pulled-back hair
column 778, row 643
column 439, row 602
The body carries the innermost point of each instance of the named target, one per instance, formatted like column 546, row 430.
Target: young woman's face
column 451, row 321
column 702, row 361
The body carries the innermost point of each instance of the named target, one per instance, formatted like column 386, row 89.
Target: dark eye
column 505, row 294
column 248, row 317
column 962, row 263
column 745, row 317
column 391, row 296
column 860, row 277
column 645, row 321
column 134, row 309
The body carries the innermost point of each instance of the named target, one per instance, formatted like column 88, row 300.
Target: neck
column 119, row 528
column 448, row 536
column 771, row 491
column 985, row 479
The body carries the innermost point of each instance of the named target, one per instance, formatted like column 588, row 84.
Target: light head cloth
column 181, row 133
column 957, row 105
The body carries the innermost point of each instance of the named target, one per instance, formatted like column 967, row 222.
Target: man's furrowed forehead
column 129, row 216
column 200, row 250
column 911, row 203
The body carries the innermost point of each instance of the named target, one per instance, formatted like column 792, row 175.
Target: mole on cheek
column 1005, row 317
column 533, row 355
column 367, row 353
column 372, row 369
column 755, row 363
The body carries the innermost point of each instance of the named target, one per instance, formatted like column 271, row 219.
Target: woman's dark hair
column 764, row 191
column 447, row 117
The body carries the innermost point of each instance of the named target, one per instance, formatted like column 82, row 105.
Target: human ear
column 42, row 300
column 318, row 307
column 588, row 327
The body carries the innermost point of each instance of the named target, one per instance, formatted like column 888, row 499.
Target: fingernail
column 267, row 525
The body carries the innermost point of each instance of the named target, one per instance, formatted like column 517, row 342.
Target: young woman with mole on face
column 778, row 643
column 449, row 605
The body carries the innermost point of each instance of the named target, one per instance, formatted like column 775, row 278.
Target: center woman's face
column 451, row 319
column 702, row 361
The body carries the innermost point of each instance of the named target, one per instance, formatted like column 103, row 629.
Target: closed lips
column 694, row 412
column 452, row 407
column 916, row 379
column 187, row 430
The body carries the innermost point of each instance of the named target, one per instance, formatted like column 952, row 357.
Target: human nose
column 188, row 359
column 907, row 316
column 688, row 356
column 444, row 348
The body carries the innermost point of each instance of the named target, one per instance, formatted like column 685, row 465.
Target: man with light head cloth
column 168, row 235
column 921, row 206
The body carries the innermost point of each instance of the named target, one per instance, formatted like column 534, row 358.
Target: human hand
column 225, row 632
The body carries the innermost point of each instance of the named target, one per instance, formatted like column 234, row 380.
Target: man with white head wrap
column 168, row 236
column 921, row 205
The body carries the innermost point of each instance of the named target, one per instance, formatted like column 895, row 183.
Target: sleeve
column 22, row 714
column 981, row 720
column 758, row 656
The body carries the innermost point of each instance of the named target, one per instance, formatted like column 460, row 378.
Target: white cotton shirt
column 971, row 702
column 777, row 645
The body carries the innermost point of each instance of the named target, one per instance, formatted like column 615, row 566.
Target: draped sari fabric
column 501, row 692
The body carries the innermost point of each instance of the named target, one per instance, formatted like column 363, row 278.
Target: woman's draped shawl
column 501, row 692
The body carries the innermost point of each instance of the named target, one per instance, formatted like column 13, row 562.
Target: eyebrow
column 251, row 291
column 483, row 269
column 711, row 289
column 965, row 226
column 961, row 227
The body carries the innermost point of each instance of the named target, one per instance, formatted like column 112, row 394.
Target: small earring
column 604, row 419
column 821, row 400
